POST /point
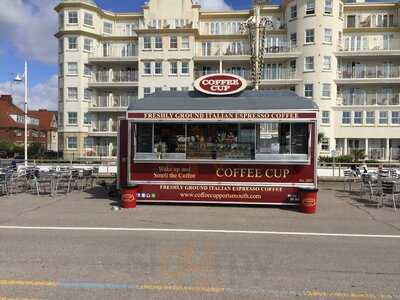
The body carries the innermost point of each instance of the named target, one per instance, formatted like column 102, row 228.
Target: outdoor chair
column 16, row 183
column 375, row 191
column 393, row 173
column 63, row 182
column 384, row 173
column 3, row 184
column 43, row 183
column 349, row 179
column 390, row 189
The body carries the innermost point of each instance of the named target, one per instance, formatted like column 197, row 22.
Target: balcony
column 279, row 76
column 100, row 151
column 115, row 53
column 111, row 103
column 283, row 50
column 368, row 99
column 371, row 21
column 218, row 52
column 104, row 128
column 369, row 74
column 369, row 46
column 114, row 78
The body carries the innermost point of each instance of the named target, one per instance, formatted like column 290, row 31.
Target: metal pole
column 26, row 113
column 257, row 50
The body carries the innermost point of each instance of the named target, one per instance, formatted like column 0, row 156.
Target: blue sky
column 27, row 29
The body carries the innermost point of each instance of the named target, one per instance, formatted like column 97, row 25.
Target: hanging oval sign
column 220, row 84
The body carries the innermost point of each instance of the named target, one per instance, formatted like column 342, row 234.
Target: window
column 61, row 45
column 158, row 42
column 340, row 9
column 73, row 93
column 185, row 42
column 206, row 48
column 147, row 42
column 185, row 68
column 328, row 7
column 87, row 94
column 146, row 91
column 158, row 68
column 72, row 142
column 293, row 66
column 147, row 68
column 72, row 17
column 88, row 44
column 370, row 117
column 310, row 36
column 358, row 117
column 309, row 90
column 346, row 117
column 107, row 27
column 61, row 19
column 328, row 35
column 88, row 19
column 326, row 117
column 383, row 117
column 327, row 66
column 87, row 70
column 158, row 89
column 173, row 89
column 396, row 117
column 310, row 7
column 173, row 42
column 325, row 144
column 351, row 21
column 293, row 40
column 293, row 11
column 72, row 43
column 326, row 90
column 88, row 143
column 73, row 118
column 72, row 68
column 87, row 118
column 173, row 68
column 309, row 63
column 61, row 69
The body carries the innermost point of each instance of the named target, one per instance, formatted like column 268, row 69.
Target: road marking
column 197, row 289
column 216, row 231
column 175, row 288
column 28, row 283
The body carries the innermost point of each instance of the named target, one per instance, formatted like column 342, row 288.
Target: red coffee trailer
column 254, row 147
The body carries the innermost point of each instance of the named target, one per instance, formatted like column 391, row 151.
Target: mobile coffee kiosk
column 254, row 147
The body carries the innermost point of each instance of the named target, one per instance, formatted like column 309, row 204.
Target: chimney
column 7, row 98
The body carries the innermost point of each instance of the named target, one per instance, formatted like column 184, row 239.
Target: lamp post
column 19, row 79
column 256, row 27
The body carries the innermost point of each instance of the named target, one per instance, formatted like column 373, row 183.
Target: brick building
column 12, row 124
column 48, row 124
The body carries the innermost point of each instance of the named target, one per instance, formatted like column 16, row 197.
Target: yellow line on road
column 7, row 298
column 339, row 295
column 28, row 283
column 175, row 288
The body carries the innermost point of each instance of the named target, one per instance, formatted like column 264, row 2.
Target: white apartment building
column 344, row 56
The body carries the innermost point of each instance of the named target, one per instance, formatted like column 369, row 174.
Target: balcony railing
column 368, row 99
column 100, row 151
column 370, row 72
column 115, row 51
column 367, row 43
column 110, row 126
column 278, row 74
column 115, row 76
column 113, row 101
column 373, row 21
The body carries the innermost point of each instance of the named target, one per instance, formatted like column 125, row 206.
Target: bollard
column 128, row 196
column 308, row 200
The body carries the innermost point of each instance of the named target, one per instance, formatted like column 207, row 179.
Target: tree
column 35, row 150
column 357, row 154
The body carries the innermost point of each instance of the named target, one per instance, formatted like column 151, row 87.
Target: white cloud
column 43, row 95
column 214, row 5
column 29, row 25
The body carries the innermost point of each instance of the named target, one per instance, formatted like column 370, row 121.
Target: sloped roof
column 8, row 108
column 247, row 100
column 45, row 118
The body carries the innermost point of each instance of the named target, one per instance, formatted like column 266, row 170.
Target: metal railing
column 278, row 74
column 104, row 126
column 113, row 101
column 367, row 43
column 115, row 51
column 115, row 76
column 368, row 99
column 369, row 72
column 100, row 151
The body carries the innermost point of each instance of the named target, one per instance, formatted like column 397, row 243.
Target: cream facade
column 344, row 56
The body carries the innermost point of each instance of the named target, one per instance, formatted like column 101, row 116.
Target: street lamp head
column 18, row 78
